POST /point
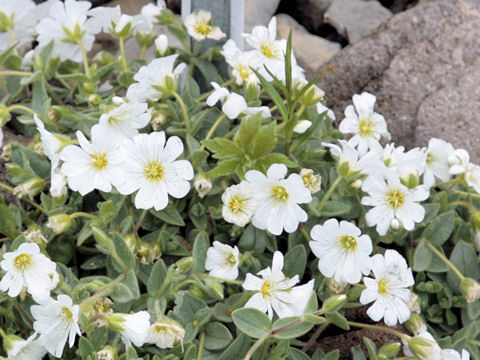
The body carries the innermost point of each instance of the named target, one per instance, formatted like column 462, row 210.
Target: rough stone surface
column 310, row 50
column 259, row 12
column 310, row 11
column 424, row 67
column 354, row 19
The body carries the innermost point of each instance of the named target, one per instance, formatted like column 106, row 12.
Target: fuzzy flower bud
column 107, row 353
column 413, row 303
column 415, row 324
column 158, row 119
column 422, row 348
column 164, row 332
column 117, row 100
column 202, row 184
column 395, row 224
column 357, row 184
column 470, row 289
column 312, row 96
column 29, row 188
column 132, row 242
column 302, row 126
column 34, row 235
column 7, row 152
column 336, row 287
column 59, row 223
column 334, row 303
column 161, row 44
column 311, row 181
column 94, row 99
column 147, row 253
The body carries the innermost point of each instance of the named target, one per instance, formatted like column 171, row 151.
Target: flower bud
column 94, row 99
column 144, row 40
column 147, row 253
column 165, row 17
column 107, row 353
column 103, row 58
column 334, row 303
column 132, row 242
column 415, row 324
column 215, row 287
column 413, row 303
column 164, row 332
column 103, row 306
column 251, row 91
column 4, row 115
column 117, row 100
column 312, row 182
column 312, row 96
column 53, row 115
column 88, row 87
column 202, row 184
column 422, row 348
column 184, row 264
column 34, row 235
column 302, row 126
column 158, row 119
column 59, row 223
column 161, row 44
column 357, row 184
column 7, row 152
column 336, row 287
column 29, row 188
column 470, row 289
column 395, row 224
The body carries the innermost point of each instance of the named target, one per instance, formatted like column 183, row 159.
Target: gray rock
column 424, row 67
column 310, row 50
column 354, row 19
column 259, row 12
column 311, row 12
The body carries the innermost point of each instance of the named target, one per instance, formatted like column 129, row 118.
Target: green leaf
column 465, row 260
column 124, row 255
column 85, row 348
column 4, row 55
column 156, row 278
column 247, row 130
column 224, row 167
column 357, row 353
column 127, row 289
column 264, row 162
column 333, row 355
column 338, row 320
column 238, row 349
column 288, row 62
column 440, row 228
column 189, row 307
column 40, row 100
column 295, row 261
column 371, row 348
column 425, row 260
column 390, row 350
column 274, row 95
column 293, row 331
column 208, row 70
column 199, row 252
column 264, row 141
column 170, row 215
column 223, row 148
column 335, row 208
column 296, row 354
column 252, row 322
column 217, row 337
column 8, row 225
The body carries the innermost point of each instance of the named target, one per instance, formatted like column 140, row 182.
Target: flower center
column 348, row 243
column 236, row 204
column 203, row 28
column 159, row 329
column 243, row 70
column 230, row 260
column 366, row 127
column 154, row 171
column 99, row 161
column 66, row 314
column 383, row 287
column 267, row 288
column 268, row 50
column 114, row 120
column 430, row 158
column 6, row 22
column 23, row 261
column 395, row 199
column 279, row 193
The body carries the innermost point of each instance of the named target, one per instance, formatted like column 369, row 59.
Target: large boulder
column 424, row 67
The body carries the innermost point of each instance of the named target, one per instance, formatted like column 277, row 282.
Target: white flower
column 459, row 161
column 342, row 251
column 366, row 125
column 93, row 166
column 423, row 346
column 52, row 144
column 29, row 349
column 199, row 26
column 17, row 22
column 102, row 18
column 322, row 108
column 124, row 120
column 27, row 267
column 164, row 332
column 278, row 199
column 238, row 204
column 437, row 167
column 155, row 80
column 202, row 184
column 254, row 110
column 152, row 169
column 67, row 26
column 389, row 290
column 241, row 63
column 56, row 321
column 151, row 11
column 134, row 327
column 275, row 292
column 58, row 183
column 302, row 126
column 222, row 261
column 311, row 181
column 161, row 44
column 392, row 200
column 233, row 104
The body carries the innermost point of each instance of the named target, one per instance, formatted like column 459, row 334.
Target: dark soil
column 335, row 338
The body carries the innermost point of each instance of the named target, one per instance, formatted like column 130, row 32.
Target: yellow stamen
column 348, row 243
column 230, row 259
column 154, row 171
column 383, row 287
column 23, row 261
column 366, row 127
column 395, row 199
column 268, row 50
column 66, row 314
column 236, row 204
column 203, row 28
column 243, row 70
column 99, row 161
column 266, row 288
column 279, row 193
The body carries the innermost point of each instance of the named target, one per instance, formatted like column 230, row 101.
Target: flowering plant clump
column 165, row 209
